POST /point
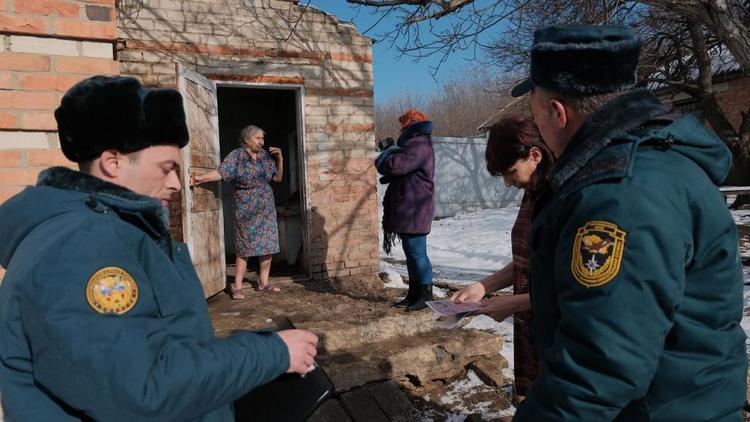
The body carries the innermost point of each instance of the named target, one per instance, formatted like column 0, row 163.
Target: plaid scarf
column 524, row 352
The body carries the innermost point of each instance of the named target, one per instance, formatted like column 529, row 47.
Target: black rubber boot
column 425, row 295
column 411, row 297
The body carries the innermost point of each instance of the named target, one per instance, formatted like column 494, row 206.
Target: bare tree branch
column 724, row 16
column 690, row 89
column 457, row 108
column 687, row 42
column 299, row 18
column 701, row 54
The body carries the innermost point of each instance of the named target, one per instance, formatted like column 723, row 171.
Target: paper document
column 450, row 313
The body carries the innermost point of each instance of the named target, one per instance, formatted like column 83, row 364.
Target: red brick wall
column 736, row 99
column 733, row 95
column 46, row 46
column 251, row 42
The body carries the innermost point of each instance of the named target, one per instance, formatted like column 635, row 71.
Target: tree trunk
column 716, row 118
column 722, row 16
column 740, row 172
column 739, row 175
column 744, row 131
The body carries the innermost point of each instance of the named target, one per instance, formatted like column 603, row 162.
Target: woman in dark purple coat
column 409, row 203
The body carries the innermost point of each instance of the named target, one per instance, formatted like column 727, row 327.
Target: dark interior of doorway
column 274, row 111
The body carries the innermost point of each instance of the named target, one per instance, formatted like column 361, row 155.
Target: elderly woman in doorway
column 251, row 169
column 516, row 152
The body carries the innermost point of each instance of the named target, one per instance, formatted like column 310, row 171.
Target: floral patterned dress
column 256, row 230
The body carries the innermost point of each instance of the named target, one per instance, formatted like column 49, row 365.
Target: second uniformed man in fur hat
column 637, row 283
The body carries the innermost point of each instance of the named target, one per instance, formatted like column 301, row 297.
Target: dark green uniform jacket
column 102, row 317
column 637, row 283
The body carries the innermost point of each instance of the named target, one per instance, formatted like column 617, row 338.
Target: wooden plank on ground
column 362, row 406
column 392, row 401
column 329, row 411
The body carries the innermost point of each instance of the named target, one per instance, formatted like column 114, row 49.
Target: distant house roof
column 521, row 105
column 723, row 67
column 517, row 105
column 670, row 95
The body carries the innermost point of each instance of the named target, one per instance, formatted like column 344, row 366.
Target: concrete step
column 416, row 359
column 366, row 340
column 340, row 321
column 393, row 323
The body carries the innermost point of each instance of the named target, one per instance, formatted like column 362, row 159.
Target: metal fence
column 462, row 183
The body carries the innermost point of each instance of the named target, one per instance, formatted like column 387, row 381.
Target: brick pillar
column 46, row 46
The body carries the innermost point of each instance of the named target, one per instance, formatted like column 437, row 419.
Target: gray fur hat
column 582, row 60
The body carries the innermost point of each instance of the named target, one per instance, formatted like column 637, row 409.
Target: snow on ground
column 741, row 216
column 464, row 248
column 503, row 329
column 393, row 280
column 454, row 399
column 467, row 247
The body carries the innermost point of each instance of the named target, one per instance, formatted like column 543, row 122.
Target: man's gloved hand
column 384, row 143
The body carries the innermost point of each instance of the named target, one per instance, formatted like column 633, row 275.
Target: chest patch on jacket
column 597, row 253
column 112, row 290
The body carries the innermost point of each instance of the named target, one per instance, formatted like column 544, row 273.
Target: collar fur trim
column 419, row 128
column 612, row 121
column 65, row 178
column 149, row 212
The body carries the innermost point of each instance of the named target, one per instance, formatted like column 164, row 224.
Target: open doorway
column 276, row 112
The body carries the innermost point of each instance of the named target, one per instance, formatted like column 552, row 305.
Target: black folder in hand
column 290, row 397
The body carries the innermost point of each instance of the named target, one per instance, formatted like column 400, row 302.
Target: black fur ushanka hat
column 582, row 60
column 114, row 112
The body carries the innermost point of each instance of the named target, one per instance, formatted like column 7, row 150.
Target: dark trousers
column 417, row 263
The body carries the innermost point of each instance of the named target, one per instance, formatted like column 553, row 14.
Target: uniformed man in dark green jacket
column 636, row 280
column 102, row 317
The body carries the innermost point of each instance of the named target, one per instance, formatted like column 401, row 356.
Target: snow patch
column 470, row 246
column 453, row 399
column 464, row 248
column 503, row 329
column 393, row 280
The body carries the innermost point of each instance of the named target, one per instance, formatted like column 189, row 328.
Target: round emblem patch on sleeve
column 112, row 290
column 597, row 253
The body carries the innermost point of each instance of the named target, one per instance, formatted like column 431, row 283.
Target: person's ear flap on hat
column 66, row 138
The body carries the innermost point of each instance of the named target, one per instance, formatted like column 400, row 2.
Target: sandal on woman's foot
column 269, row 288
column 236, row 293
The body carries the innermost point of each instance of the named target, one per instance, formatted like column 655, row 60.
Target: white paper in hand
column 448, row 307
column 451, row 313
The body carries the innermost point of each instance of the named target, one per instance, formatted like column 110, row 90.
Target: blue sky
column 394, row 75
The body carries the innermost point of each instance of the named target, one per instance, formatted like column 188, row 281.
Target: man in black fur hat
column 102, row 317
column 636, row 279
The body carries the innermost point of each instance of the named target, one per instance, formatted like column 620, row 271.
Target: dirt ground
column 303, row 302
column 363, row 338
